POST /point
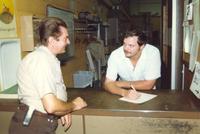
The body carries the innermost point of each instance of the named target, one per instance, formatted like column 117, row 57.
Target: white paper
column 189, row 11
column 195, row 86
column 196, row 14
column 193, row 52
column 188, row 38
column 143, row 98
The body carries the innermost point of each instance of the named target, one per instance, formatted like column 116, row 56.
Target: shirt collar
column 46, row 50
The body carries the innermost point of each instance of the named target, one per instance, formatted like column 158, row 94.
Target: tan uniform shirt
column 40, row 74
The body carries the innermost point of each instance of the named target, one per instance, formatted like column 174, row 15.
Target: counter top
column 168, row 104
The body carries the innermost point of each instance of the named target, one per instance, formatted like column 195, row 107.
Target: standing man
column 42, row 93
column 136, row 63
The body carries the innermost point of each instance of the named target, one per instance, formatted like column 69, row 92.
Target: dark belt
column 24, row 107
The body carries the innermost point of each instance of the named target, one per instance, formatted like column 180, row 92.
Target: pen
column 133, row 87
column 134, row 95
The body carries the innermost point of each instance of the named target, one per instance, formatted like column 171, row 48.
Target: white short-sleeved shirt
column 147, row 68
column 38, row 75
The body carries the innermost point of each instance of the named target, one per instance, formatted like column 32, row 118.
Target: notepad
column 143, row 98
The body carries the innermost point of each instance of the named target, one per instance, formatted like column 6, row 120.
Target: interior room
column 96, row 28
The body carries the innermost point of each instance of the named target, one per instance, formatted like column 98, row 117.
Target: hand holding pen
column 133, row 94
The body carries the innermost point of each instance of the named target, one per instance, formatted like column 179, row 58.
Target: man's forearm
column 67, row 108
column 140, row 85
column 123, row 84
column 113, row 88
column 56, row 106
column 143, row 84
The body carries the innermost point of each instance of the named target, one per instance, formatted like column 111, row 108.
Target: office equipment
column 83, row 79
column 10, row 56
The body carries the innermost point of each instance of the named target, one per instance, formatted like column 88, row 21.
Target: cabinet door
column 5, row 121
column 140, row 125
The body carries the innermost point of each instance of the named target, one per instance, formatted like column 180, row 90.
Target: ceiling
column 122, row 8
column 117, row 7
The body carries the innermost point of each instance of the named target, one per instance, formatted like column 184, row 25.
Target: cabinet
column 77, row 126
column 5, row 121
column 29, row 36
column 140, row 125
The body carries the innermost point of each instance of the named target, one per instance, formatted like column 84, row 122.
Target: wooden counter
column 180, row 104
column 176, row 104
column 170, row 108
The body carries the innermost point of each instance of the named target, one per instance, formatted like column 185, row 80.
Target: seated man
column 136, row 63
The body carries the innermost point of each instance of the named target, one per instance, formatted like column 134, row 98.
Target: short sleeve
column 153, row 67
column 111, row 72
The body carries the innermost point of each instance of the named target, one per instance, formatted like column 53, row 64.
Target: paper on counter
column 143, row 98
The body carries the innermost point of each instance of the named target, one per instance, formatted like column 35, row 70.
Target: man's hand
column 66, row 121
column 132, row 94
column 79, row 103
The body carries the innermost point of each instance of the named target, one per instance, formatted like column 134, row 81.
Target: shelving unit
column 87, row 27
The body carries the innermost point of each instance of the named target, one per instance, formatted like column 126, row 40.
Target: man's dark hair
column 50, row 26
column 142, row 38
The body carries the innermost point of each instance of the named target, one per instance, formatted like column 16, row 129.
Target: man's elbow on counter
column 150, row 86
column 105, row 86
column 50, row 103
column 50, row 109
